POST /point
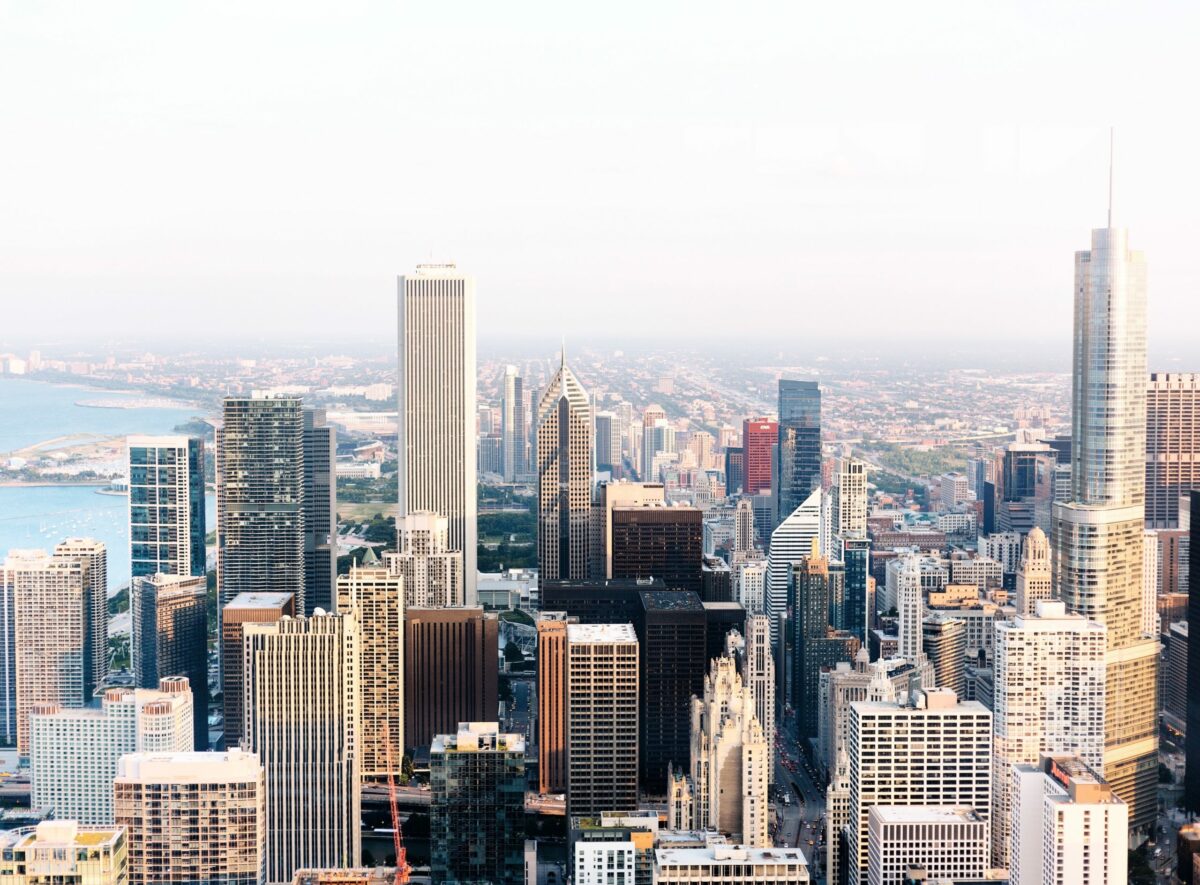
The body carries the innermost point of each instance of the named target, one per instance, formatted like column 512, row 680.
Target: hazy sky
column 787, row 169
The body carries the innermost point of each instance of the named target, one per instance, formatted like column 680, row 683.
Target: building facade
column 166, row 505
column 799, row 443
column 245, row 608
column 432, row 573
column 320, row 511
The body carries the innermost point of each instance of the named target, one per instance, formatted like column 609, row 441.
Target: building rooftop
column 59, row 832
column 727, row 854
column 193, row 767
column 671, row 600
column 258, row 600
column 478, row 737
column 601, row 633
column 931, row 814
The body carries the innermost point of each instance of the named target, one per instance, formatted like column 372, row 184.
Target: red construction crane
column 397, row 837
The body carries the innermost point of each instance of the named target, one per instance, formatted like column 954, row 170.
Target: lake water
column 41, row 516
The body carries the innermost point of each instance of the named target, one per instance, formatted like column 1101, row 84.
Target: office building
column 451, row 660
column 192, row 818
column 799, row 441
column 245, row 608
column 61, row 619
column 930, row 750
column 857, row 612
column 1098, row 534
column 721, row 618
column 600, row 602
column 955, row 490
column 673, row 662
column 320, row 511
column 659, row 541
column 759, row 437
column 303, row 718
column 605, row 862
column 792, row 540
column 716, row 579
column 850, row 498
column 74, row 752
column 436, row 392
column 910, row 604
column 750, row 584
column 815, row 645
column 729, row 761
column 720, row 863
column 1049, row 688
column 564, row 441
column 166, row 505
column 608, row 442
column 432, row 573
column 602, row 718
column 946, row 844
column 552, row 699
column 944, row 641
column 8, row 644
column 758, row 672
column 1172, row 445
column 376, row 597
column 610, row 495
column 1034, row 582
column 744, row 536
column 513, row 424
column 260, row 498
column 735, row 470
column 63, row 851
column 1068, row 826
column 477, row 817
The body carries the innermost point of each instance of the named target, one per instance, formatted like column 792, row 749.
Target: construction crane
column 402, row 867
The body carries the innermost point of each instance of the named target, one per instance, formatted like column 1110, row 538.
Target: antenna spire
column 1110, row 173
column 563, row 352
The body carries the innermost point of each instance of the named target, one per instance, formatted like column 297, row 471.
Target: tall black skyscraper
column 799, row 456
column 1191, row 783
column 320, row 512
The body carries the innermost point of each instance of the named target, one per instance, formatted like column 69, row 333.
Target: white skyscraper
column 910, row 603
column 1034, row 577
column 850, row 494
column 750, row 583
column 432, row 573
column 791, row 541
column 73, row 753
column 436, row 427
column 1048, row 698
column 512, row 423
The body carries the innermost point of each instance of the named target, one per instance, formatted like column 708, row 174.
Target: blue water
column 33, row 411
column 41, row 516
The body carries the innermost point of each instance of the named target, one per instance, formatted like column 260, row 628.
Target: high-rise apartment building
column 794, row 539
column 552, row 699
column 610, row 495
column 858, row 608
column 1034, row 579
column 63, row 851
column 8, row 643
column 166, row 505
column 450, row 670
column 245, row 608
column 759, row 437
column 1068, row 826
column 850, row 498
column 1172, row 445
column 602, row 718
column 1098, row 534
column 799, row 441
column 930, row 750
column 512, row 424
column 320, row 511
column 660, row 541
column 436, row 429
column 477, row 817
column 432, row 573
column 729, row 763
column 1048, row 697
column 56, row 604
column 260, row 498
column 565, row 452
column 73, row 753
column 303, row 718
column 169, row 637
column 192, row 818
column 376, row 597
column 672, row 627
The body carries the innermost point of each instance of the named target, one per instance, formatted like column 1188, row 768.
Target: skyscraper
column 8, row 645
column 245, row 608
column 944, row 641
column 376, row 597
column 608, row 442
column 814, row 645
column 552, row 699
column 260, row 498
column 602, row 718
column 1191, row 784
column 192, row 818
column 1172, row 445
column 758, row 443
column 1034, row 579
column 436, row 430
column 303, row 719
column 1048, row 698
column 564, row 438
column 799, row 443
column 794, row 539
column 660, row 541
column 432, row 573
column 477, row 817
column 512, row 424
column 320, row 511
column 93, row 556
column 857, row 614
column 743, row 527
column 166, row 505
column 850, row 495
column 170, row 638
column 657, row 436
column 610, row 495
column 1098, row 534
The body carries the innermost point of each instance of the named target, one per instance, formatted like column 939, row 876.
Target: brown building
column 1172, row 445
column 245, row 608
column 1172, row 560
column 450, row 671
column 552, row 697
column 659, row 541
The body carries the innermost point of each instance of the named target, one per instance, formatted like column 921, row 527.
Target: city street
column 801, row 824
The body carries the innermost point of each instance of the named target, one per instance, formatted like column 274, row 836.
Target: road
column 518, row 717
column 802, row 822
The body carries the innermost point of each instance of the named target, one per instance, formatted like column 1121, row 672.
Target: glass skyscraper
column 799, row 459
column 166, row 505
